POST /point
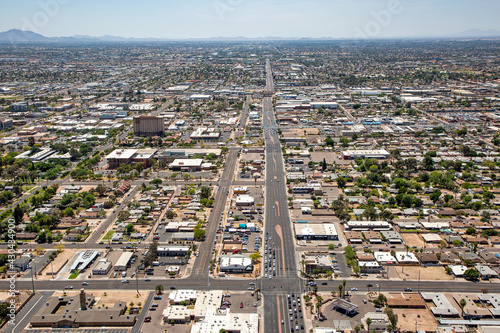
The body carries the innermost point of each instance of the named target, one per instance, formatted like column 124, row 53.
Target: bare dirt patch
column 426, row 273
column 420, row 318
column 56, row 265
column 413, row 240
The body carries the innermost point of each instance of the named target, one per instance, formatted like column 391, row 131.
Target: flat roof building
column 81, row 311
column 368, row 153
column 123, row 261
column 315, row 231
column 102, row 267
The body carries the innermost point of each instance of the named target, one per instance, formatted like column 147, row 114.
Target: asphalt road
column 202, row 263
column 278, row 226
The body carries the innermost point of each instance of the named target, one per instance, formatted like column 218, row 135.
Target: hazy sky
column 249, row 18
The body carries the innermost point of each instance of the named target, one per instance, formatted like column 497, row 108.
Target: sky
column 180, row 19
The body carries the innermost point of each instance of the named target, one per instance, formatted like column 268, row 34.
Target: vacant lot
column 413, row 240
column 426, row 273
column 420, row 318
column 58, row 262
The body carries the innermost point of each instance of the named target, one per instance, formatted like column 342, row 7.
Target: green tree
column 18, row 214
column 368, row 323
column 159, row 289
column 129, row 228
column 462, row 304
column 471, row 274
column 255, row 256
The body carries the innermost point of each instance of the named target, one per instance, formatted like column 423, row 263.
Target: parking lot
column 242, row 302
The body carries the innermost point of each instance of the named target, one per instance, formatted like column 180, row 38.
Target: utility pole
column 32, row 280
column 418, row 288
column 137, row 282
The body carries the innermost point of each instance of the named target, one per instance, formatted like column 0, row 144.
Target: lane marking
column 280, row 235
column 279, row 313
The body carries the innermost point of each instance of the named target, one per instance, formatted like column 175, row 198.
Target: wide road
column 278, row 226
column 200, row 267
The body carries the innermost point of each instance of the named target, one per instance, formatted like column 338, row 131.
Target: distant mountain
column 476, row 33
column 19, row 36
column 16, row 35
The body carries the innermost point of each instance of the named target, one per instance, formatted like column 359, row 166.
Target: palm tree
column 462, row 303
column 368, row 323
column 340, row 290
column 319, row 302
column 343, row 285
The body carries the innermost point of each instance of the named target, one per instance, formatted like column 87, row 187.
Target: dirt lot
column 426, row 273
column 23, row 296
column 112, row 297
column 329, row 156
column 407, row 320
column 413, row 240
column 57, row 263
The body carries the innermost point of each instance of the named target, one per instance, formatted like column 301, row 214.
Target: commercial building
column 172, row 251
column 169, row 155
column 123, row 261
column 81, row 311
column 84, row 259
column 149, row 125
column 102, row 267
column 126, row 156
column 186, row 165
column 6, row 123
column 369, row 153
column 315, row 231
column 235, row 264
column 244, row 200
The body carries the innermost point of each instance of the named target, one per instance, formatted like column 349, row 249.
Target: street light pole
column 32, row 280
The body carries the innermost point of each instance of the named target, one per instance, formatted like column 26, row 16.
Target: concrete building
column 61, row 312
column 380, row 154
column 244, row 200
column 6, row 123
column 102, row 267
column 186, row 165
column 123, row 261
column 235, row 264
column 315, row 231
column 149, row 125
column 84, row 259
column 172, row 251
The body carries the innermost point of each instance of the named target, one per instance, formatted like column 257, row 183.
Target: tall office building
column 149, row 125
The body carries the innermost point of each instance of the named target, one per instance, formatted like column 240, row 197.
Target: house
column 379, row 320
column 488, row 257
column 446, row 211
column 471, row 256
column 486, row 272
column 428, row 259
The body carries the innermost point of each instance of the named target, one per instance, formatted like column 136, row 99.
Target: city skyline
column 256, row 19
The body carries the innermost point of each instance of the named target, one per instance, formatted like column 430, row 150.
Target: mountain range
column 19, row 36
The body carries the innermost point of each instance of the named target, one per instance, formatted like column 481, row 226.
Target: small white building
column 244, row 200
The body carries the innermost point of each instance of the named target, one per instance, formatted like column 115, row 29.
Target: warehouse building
column 123, row 261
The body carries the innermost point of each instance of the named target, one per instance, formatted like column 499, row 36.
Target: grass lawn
column 74, row 275
column 108, row 235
